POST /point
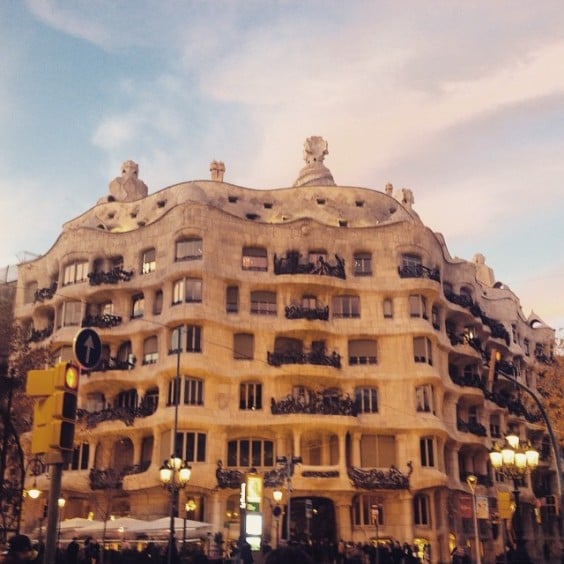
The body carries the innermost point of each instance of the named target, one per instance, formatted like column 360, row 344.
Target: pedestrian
column 288, row 555
column 71, row 553
column 20, row 550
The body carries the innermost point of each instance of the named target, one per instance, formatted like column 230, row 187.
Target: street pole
column 56, row 475
column 472, row 481
column 553, row 443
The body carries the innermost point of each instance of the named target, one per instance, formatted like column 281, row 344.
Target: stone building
column 322, row 323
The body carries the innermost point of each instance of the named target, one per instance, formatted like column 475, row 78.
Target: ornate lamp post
column 276, row 512
column 472, row 482
column 514, row 460
column 174, row 474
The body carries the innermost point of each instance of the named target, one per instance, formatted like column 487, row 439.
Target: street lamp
column 277, row 511
column 189, row 507
column 514, row 460
column 472, row 482
column 61, row 504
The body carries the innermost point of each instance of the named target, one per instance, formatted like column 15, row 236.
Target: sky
column 462, row 102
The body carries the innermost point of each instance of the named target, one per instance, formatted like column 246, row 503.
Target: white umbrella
column 121, row 524
column 76, row 523
column 163, row 524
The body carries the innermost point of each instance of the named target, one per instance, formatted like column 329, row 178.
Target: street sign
column 87, row 348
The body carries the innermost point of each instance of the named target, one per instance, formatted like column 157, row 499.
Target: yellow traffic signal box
column 54, row 414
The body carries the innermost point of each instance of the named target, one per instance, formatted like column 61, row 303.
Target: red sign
column 465, row 506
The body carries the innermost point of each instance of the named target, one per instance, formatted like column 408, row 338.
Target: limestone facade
column 318, row 321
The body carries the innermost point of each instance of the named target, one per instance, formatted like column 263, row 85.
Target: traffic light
column 54, row 414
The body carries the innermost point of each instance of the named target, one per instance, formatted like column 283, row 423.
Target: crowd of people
column 319, row 552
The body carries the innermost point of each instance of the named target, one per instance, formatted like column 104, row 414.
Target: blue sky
column 463, row 102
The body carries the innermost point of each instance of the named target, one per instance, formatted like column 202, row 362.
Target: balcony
column 471, row 427
column 113, row 276
column 318, row 358
column 125, row 414
column 295, row 311
column 113, row 363
column 315, row 403
column 419, row 271
column 376, row 479
column 38, row 335
column 44, row 294
column 290, row 264
column 104, row 321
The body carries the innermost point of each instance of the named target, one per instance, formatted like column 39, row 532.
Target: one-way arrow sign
column 87, row 348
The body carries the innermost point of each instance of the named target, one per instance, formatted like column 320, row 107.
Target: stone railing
column 376, row 479
column 290, row 264
column 317, row 403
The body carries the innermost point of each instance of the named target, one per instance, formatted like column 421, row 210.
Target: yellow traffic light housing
column 55, row 411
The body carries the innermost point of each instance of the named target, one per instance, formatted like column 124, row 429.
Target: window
column 193, row 339
column 366, row 400
column 527, row 347
column 150, row 350
column 150, row 401
column 422, row 350
column 409, row 261
column 243, row 346
column 29, row 293
column 188, row 290
column 427, row 451
column 250, row 452
column 191, row 446
column 125, row 354
column 80, row 456
column 255, row 258
column 421, row 510
column 263, row 303
column 148, row 261
column 362, row 351
column 250, row 395
column 363, row 512
column 70, row 314
column 388, row 308
column 435, row 319
column 418, row 306
column 362, row 264
column 158, row 303
column 495, row 426
column 95, row 402
column 75, row 272
column 192, row 391
column 137, row 306
column 346, row 306
column 424, row 399
column 189, row 249
column 377, row 451
column 232, row 299
column 127, row 399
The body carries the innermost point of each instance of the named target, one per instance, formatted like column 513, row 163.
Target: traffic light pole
column 55, row 474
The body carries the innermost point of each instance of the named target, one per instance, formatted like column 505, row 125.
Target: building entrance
column 311, row 519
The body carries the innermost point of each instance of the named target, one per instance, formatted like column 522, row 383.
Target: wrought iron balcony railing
column 40, row 334
column 471, row 427
column 45, row 293
column 377, row 479
column 126, row 414
column 419, row 271
column 317, row 403
column 290, row 264
column 113, row 276
column 295, row 311
column 304, row 357
column 104, row 321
